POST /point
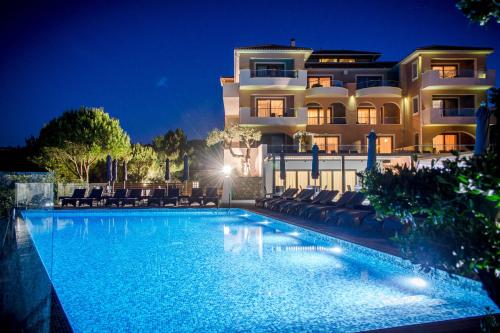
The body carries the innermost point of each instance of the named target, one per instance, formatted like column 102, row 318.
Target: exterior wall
column 348, row 74
column 245, row 58
column 256, row 157
column 295, row 99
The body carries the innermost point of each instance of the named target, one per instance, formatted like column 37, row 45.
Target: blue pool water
column 219, row 271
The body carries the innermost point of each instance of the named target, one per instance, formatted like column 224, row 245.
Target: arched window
column 316, row 114
column 367, row 114
column 339, row 115
column 390, row 114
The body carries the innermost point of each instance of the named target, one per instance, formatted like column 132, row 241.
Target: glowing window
column 328, row 144
column 270, row 107
column 384, row 144
column 367, row 115
column 323, row 81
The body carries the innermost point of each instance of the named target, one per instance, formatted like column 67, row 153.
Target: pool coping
column 459, row 325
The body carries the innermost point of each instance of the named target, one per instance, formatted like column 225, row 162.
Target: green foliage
column 239, row 135
column 72, row 143
column 8, row 182
column 172, row 145
column 480, row 11
column 143, row 164
column 454, row 213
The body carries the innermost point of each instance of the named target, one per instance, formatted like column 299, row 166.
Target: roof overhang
column 416, row 53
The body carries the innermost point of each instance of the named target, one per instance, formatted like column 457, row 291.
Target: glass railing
column 390, row 120
column 274, row 73
column 273, row 112
column 462, row 112
column 334, row 83
column 455, row 73
column 435, row 148
column 376, row 83
column 307, row 149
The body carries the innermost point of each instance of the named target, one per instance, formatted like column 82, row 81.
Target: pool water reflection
column 218, row 271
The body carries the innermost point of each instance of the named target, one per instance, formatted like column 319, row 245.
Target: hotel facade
column 297, row 97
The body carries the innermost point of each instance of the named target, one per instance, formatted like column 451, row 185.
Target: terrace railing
column 377, row 83
column 292, row 73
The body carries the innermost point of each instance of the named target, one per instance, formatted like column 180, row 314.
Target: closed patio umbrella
column 372, row 151
column 482, row 123
column 109, row 170
column 283, row 168
column 315, row 164
column 114, row 174
column 185, row 173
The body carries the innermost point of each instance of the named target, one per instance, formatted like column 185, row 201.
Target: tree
column 142, row 166
column 236, row 134
column 480, row 11
column 172, row 145
column 72, row 143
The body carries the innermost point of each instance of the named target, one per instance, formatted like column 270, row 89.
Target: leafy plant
column 71, row 144
column 142, row 166
column 236, row 134
column 480, row 11
column 453, row 211
column 172, row 145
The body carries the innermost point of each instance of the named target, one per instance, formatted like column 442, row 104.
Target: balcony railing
column 274, row 73
column 391, row 120
column 462, row 112
column 435, row 148
column 334, row 83
column 450, row 74
column 377, row 83
column 273, row 112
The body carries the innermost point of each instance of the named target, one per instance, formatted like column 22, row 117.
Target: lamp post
column 226, row 171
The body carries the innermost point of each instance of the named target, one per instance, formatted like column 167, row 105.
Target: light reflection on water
column 195, row 272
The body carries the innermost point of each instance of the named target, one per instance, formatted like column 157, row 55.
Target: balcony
column 336, row 90
column 449, row 116
column 462, row 79
column 378, row 88
column 290, row 117
column 273, row 79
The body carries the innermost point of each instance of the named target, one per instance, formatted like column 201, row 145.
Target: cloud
column 162, row 82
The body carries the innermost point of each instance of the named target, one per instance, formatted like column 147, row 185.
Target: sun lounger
column 276, row 204
column 323, row 198
column 331, row 216
column 304, row 196
column 262, row 201
column 119, row 195
column 172, row 197
column 78, row 193
column 133, row 196
column 196, row 196
column 211, row 196
column 157, row 197
column 316, row 212
column 355, row 217
column 95, row 194
column 289, row 194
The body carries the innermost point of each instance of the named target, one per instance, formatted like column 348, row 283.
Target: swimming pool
column 211, row 270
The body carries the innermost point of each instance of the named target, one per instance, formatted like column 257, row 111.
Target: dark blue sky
column 156, row 65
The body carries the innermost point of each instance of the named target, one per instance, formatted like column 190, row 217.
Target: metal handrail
column 290, row 73
column 435, row 148
column 377, row 83
column 334, row 83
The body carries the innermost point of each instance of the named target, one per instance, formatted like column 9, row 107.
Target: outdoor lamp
column 226, row 170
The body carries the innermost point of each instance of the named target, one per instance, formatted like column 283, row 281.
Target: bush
column 454, row 213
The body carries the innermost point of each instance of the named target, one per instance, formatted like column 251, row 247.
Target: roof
column 273, row 47
column 452, row 48
column 344, row 52
column 375, row 64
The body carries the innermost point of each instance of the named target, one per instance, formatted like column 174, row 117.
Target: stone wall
column 247, row 188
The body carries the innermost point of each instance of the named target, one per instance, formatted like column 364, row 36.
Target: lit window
column 317, row 116
column 327, row 144
column 445, row 142
column 347, row 60
column 414, row 70
column 367, row 116
column 445, row 71
column 384, row 144
column 415, row 104
column 328, row 60
column 196, row 184
column 270, row 107
column 322, row 81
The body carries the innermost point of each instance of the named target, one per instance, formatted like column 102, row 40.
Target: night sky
column 156, row 65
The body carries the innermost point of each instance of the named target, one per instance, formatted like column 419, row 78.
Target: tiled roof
column 343, row 52
column 375, row 64
column 452, row 48
column 273, row 47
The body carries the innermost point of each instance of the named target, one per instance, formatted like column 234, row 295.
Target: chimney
column 292, row 42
